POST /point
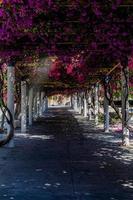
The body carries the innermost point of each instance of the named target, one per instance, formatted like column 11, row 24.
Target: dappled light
column 64, row 159
column 41, row 137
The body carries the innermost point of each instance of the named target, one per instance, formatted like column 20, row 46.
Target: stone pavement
column 65, row 158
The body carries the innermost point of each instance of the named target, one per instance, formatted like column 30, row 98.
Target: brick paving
column 65, row 158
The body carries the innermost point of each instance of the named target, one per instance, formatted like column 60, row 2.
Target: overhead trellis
column 101, row 33
column 54, row 26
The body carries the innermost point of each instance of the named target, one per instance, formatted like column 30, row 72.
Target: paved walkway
column 63, row 158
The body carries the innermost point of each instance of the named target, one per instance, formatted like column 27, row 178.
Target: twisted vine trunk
column 89, row 102
column 125, row 106
column 8, row 109
column 123, row 116
column 106, row 115
column 96, row 104
column 2, row 120
column 85, row 104
column 10, row 133
column 108, row 92
column 18, row 101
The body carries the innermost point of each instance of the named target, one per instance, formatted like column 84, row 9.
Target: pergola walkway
column 61, row 158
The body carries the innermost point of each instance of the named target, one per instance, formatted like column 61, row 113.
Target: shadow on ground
column 65, row 158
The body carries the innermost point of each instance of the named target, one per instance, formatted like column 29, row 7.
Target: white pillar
column 85, row 106
column 96, row 104
column 41, row 103
column 10, row 96
column 106, row 115
column 46, row 103
column 38, row 103
column 90, row 106
column 23, row 107
column 71, row 101
column 35, row 106
column 30, row 106
column 75, row 102
column 79, row 103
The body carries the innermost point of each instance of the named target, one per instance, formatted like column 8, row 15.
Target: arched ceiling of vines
column 33, row 32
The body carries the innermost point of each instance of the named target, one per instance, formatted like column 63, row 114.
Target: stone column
column 96, row 104
column 46, row 103
column 10, row 95
column 85, row 106
column 106, row 115
column 79, row 103
column 90, row 106
column 35, row 106
column 75, row 102
column 23, row 107
column 30, row 106
column 38, row 100
column 41, row 103
column 71, row 101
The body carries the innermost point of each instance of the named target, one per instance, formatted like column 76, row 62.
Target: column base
column 125, row 139
column 106, row 131
column 11, row 144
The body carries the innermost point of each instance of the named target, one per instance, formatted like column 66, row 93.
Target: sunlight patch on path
column 28, row 136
